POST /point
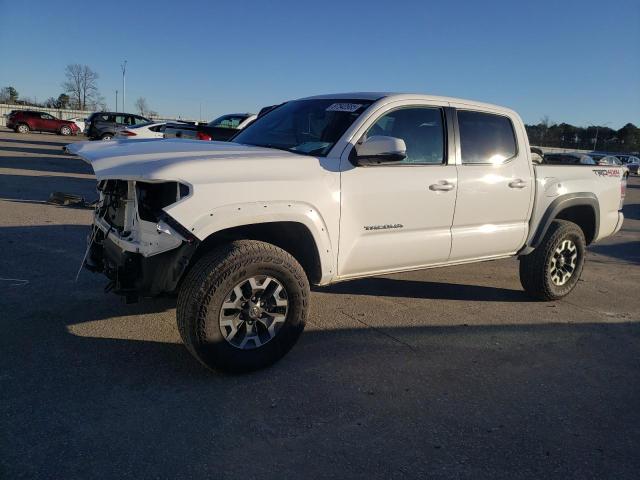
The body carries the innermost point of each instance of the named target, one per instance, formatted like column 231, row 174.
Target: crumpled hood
column 194, row 161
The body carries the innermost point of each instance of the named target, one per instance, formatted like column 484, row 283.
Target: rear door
column 397, row 217
column 36, row 122
column 123, row 121
column 495, row 186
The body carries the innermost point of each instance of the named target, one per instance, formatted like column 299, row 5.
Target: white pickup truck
column 333, row 188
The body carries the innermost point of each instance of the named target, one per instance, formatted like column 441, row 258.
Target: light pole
column 123, row 66
column 116, row 101
column 595, row 142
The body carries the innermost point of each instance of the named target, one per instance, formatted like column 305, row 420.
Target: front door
column 398, row 216
column 495, row 187
column 48, row 123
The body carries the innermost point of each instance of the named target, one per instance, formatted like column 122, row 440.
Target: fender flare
column 241, row 214
column 558, row 205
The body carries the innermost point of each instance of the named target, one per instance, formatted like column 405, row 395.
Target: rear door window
column 485, row 137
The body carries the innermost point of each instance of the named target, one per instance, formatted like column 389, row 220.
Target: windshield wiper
column 274, row 146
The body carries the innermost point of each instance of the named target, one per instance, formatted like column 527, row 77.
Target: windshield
column 228, row 121
column 309, row 127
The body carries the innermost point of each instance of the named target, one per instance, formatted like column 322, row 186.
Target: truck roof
column 375, row 96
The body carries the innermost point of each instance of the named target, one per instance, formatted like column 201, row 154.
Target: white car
column 332, row 188
column 79, row 122
column 144, row 130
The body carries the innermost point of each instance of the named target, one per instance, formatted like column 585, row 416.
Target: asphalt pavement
column 445, row 373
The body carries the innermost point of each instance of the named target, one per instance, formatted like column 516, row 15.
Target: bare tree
column 81, row 85
column 141, row 106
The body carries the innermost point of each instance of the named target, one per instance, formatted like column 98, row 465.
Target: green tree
column 8, row 95
column 63, row 101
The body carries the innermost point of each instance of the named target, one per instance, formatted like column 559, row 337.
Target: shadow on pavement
column 472, row 401
column 59, row 164
column 628, row 251
column 631, row 211
column 92, row 388
column 60, row 143
column 36, row 151
column 391, row 287
column 38, row 187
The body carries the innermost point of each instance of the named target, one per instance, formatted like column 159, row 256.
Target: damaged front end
column 138, row 246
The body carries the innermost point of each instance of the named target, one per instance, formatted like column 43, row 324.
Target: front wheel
column 65, row 130
column 242, row 306
column 553, row 269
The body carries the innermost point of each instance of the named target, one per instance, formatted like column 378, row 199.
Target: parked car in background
column 144, row 130
column 631, row 162
column 104, row 125
column 537, row 155
column 23, row 121
column 605, row 159
column 611, row 160
column 568, row 159
column 80, row 123
column 220, row 129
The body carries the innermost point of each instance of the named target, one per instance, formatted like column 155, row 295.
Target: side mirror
column 379, row 150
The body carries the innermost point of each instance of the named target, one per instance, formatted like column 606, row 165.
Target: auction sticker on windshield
column 343, row 107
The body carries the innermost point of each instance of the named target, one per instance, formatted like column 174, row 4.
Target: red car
column 23, row 121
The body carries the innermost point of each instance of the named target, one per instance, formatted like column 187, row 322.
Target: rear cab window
column 486, row 138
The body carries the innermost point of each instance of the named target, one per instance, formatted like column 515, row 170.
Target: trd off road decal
column 607, row 172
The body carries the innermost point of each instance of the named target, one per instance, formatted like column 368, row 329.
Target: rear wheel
column 553, row 269
column 23, row 128
column 106, row 136
column 65, row 130
column 242, row 306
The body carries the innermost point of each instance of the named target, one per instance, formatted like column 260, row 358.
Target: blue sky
column 574, row 61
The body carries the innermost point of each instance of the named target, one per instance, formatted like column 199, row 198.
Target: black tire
column 211, row 280
column 106, row 136
column 536, row 268
column 65, row 131
column 22, row 128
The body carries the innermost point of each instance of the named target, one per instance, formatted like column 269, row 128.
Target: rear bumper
column 619, row 224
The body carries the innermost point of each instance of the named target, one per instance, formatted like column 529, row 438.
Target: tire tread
column 206, row 276
column 533, row 267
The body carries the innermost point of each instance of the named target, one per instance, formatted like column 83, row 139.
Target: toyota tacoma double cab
column 333, row 188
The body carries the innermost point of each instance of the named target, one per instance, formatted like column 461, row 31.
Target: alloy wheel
column 563, row 262
column 253, row 312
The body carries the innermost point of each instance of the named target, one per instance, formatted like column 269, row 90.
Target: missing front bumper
column 134, row 275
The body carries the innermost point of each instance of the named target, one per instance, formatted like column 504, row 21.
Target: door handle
column 442, row 186
column 517, row 183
